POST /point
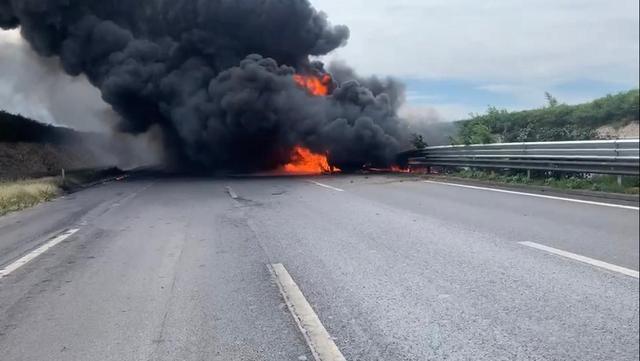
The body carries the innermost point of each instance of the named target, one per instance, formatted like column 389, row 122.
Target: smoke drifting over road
column 217, row 77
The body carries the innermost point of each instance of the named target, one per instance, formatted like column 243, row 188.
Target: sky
column 460, row 56
column 455, row 56
column 36, row 87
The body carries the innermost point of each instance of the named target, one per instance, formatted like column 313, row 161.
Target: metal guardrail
column 619, row 157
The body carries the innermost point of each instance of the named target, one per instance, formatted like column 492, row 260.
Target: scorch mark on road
column 320, row 342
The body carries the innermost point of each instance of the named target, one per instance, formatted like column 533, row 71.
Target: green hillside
column 554, row 122
column 16, row 128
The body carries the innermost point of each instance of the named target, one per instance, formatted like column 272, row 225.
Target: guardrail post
column 528, row 174
column 617, row 148
column 63, row 176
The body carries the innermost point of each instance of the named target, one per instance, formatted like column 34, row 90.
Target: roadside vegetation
column 613, row 116
column 21, row 194
column 598, row 183
column 554, row 122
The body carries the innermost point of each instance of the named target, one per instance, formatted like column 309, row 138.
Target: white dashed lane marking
column 232, row 193
column 320, row 342
column 326, row 186
column 36, row 252
column 577, row 257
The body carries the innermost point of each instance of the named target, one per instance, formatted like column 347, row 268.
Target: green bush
column 557, row 122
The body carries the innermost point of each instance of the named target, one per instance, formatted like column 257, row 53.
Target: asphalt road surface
column 394, row 268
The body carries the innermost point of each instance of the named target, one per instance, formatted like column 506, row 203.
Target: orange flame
column 304, row 161
column 318, row 86
column 398, row 169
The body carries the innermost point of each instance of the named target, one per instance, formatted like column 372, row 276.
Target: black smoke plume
column 217, row 77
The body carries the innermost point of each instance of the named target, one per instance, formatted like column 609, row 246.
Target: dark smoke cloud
column 394, row 89
column 216, row 77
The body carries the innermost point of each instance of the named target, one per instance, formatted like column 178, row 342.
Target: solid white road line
column 577, row 257
column 326, row 186
column 35, row 253
column 231, row 192
column 536, row 195
column 320, row 342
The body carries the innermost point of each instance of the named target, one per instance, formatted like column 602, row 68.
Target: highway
column 393, row 268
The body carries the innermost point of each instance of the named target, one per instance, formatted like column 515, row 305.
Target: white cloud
column 439, row 111
column 547, row 41
column 418, row 97
column 502, row 88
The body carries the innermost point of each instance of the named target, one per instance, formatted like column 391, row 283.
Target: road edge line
column 36, row 252
column 612, row 205
column 318, row 339
column 583, row 259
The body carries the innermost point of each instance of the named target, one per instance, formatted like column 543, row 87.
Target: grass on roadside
column 17, row 195
column 600, row 183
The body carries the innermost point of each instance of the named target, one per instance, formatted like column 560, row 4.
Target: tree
column 418, row 141
column 551, row 100
column 475, row 132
